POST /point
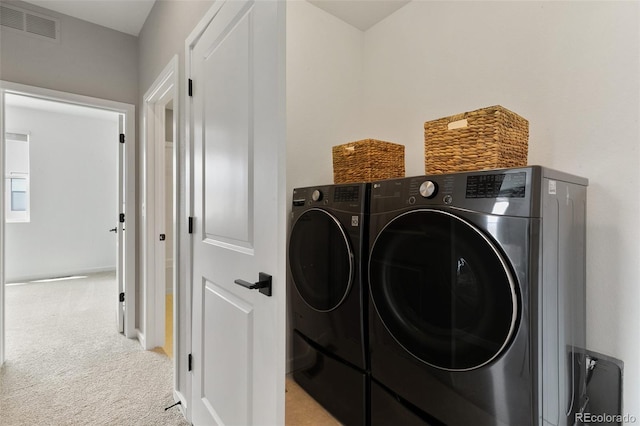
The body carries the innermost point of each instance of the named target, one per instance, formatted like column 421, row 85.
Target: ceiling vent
column 29, row 23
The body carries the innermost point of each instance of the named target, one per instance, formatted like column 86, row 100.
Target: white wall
column 73, row 195
column 324, row 91
column 324, row 95
column 570, row 68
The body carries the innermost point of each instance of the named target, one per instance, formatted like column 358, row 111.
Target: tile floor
column 302, row 410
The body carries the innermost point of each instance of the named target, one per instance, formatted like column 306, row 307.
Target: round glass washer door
column 443, row 290
column 320, row 260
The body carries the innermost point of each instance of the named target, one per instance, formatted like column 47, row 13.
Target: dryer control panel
column 499, row 191
column 509, row 185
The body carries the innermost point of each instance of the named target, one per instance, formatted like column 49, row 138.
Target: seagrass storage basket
column 487, row 138
column 367, row 160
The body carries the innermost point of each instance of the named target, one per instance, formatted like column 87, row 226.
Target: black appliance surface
column 339, row 388
column 328, row 302
column 476, row 290
column 604, row 390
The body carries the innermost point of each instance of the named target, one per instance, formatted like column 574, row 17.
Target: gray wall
column 88, row 60
column 73, row 174
column 163, row 35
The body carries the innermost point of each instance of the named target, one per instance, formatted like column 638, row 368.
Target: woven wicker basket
column 367, row 160
column 488, row 138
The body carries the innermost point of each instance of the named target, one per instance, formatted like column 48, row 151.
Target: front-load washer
column 477, row 288
column 328, row 302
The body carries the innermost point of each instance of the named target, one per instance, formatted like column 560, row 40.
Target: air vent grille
column 41, row 26
column 11, row 18
column 30, row 23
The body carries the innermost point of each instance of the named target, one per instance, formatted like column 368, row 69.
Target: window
column 17, row 177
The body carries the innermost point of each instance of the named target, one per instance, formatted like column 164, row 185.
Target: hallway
column 67, row 364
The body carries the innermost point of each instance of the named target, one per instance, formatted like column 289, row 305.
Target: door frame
column 163, row 90
column 129, row 173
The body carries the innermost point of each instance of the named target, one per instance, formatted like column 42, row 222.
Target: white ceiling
column 12, row 100
column 362, row 14
column 128, row 16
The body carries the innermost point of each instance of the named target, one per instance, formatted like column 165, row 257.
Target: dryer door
column 321, row 260
column 443, row 290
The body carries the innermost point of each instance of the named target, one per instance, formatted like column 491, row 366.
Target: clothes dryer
column 328, row 301
column 477, row 288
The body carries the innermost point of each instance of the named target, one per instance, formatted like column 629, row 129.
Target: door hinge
column 121, row 217
column 121, row 137
column 190, row 87
column 121, row 297
column 163, row 237
column 190, row 362
column 190, row 225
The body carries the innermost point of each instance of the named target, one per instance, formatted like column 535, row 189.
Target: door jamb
column 159, row 94
column 130, row 201
column 2, row 219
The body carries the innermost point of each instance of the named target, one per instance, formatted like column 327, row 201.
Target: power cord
column 171, row 406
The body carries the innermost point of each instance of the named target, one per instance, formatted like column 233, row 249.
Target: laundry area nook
column 452, row 299
column 332, row 212
column 459, row 216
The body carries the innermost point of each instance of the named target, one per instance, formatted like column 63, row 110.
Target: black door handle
column 114, row 230
column 263, row 284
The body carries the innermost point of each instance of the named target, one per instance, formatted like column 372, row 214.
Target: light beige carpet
column 68, row 365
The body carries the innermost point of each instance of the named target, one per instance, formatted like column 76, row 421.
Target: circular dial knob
column 428, row 189
column 316, row 195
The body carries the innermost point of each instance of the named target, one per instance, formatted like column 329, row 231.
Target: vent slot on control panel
column 29, row 23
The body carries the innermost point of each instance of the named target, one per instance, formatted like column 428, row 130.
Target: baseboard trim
column 141, row 338
column 90, row 271
column 178, row 396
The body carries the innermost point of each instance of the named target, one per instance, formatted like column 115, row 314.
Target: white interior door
column 237, row 124
column 120, row 262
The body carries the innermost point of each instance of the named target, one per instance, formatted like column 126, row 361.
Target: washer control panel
column 346, row 193
column 345, row 197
